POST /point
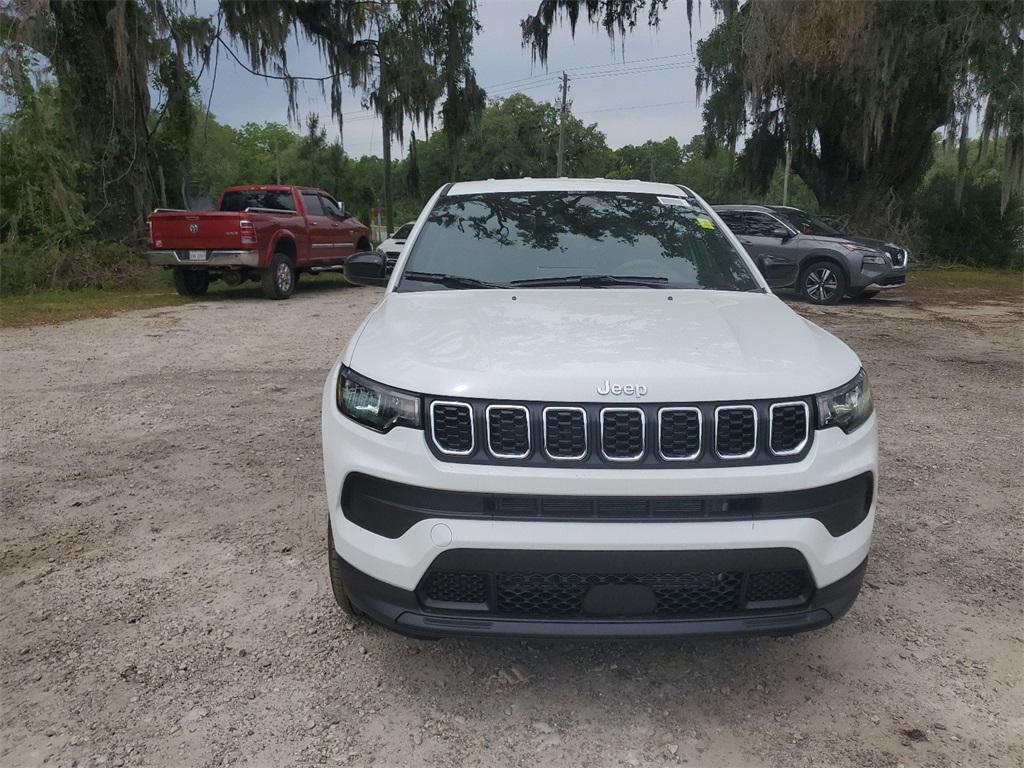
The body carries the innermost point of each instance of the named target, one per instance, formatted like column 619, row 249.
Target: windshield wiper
column 592, row 281
column 450, row 281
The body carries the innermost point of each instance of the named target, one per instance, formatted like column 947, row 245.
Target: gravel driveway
column 164, row 600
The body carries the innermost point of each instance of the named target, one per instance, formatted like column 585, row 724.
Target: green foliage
column 975, row 232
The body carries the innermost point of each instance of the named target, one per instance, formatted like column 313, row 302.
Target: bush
column 25, row 268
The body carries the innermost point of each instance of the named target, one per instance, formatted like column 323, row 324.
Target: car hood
column 564, row 344
column 878, row 245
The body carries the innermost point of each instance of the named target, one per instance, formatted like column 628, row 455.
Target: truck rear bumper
column 212, row 259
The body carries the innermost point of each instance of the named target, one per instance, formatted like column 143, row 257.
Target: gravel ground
column 165, row 600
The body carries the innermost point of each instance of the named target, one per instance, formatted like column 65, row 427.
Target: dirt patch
column 165, row 599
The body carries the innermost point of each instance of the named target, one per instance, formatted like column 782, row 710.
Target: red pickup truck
column 269, row 234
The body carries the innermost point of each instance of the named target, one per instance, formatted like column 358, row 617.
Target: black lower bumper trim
column 390, row 509
column 400, row 610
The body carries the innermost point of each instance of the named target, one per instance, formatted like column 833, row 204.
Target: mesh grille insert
column 508, row 431
column 452, row 425
column 679, row 433
column 565, row 433
column 456, row 587
column 777, row 585
column 735, row 431
column 622, row 433
column 788, row 428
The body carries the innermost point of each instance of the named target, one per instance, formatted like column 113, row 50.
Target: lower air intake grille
column 788, row 428
column 452, row 426
column 456, row 587
column 777, row 585
column 565, row 433
column 735, row 431
column 562, row 594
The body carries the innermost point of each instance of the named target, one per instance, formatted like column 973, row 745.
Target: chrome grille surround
column 586, row 437
column 700, row 432
column 490, row 442
column 472, row 434
column 643, row 433
column 771, row 426
column 718, row 421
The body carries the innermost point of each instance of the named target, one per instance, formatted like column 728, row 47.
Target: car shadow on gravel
column 308, row 287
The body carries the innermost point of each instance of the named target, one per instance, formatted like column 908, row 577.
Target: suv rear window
column 504, row 237
column 274, row 199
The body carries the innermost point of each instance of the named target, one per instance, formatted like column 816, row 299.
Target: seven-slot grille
column 622, row 434
column 787, row 429
column 565, row 433
column 645, row 435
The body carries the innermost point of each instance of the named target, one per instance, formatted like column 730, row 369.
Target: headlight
column 375, row 406
column 874, row 258
column 846, row 407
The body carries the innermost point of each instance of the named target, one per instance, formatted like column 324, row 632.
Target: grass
column 48, row 307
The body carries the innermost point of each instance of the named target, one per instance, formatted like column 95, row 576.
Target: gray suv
column 796, row 250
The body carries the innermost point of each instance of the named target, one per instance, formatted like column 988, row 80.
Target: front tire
column 335, row 569
column 822, row 282
column 191, row 282
column 279, row 278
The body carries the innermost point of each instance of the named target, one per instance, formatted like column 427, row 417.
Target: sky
column 635, row 88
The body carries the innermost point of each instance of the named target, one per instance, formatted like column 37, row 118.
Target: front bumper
column 212, row 259
column 893, row 280
column 386, row 570
column 402, row 611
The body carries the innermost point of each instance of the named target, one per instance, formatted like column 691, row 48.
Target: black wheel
column 279, row 278
column 191, row 282
column 862, row 295
column 822, row 282
column 337, row 583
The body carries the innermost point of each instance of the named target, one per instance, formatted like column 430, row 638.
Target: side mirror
column 782, row 233
column 366, row 268
column 341, row 207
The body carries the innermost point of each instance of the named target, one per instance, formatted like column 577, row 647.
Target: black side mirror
column 782, row 233
column 366, row 268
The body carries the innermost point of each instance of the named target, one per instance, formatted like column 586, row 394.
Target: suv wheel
column 279, row 278
column 191, row 282
column 337, row 583
column 822, row 282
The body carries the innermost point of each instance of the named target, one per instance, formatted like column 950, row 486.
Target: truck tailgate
column 185, row 230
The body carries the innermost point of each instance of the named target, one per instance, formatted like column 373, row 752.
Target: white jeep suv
column 580, row 411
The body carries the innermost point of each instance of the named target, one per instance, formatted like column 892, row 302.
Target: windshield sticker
column 705, row 222
column 673, row 201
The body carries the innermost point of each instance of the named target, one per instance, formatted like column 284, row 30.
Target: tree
column 856, row 88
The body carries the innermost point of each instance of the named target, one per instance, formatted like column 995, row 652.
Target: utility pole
column 785, row 179
column 561, row 126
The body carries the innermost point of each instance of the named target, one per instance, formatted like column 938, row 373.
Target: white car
column 580, row 411
column 392, row 247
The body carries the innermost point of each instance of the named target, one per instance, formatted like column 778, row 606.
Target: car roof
column 758, row 208
column 564, row 185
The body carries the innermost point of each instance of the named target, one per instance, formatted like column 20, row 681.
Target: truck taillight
column 248, row 232
column 149, row 232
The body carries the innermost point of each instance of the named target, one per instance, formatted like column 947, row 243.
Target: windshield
column 502, row 238
column 403, row 232
column 807, row 224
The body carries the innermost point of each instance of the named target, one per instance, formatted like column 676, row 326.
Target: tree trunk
column 389, row 208
column 102, row 72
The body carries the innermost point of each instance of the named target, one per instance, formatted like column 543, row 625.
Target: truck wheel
column 191, row 282
column 337, row 584
column 822, row 282
column 279, row 278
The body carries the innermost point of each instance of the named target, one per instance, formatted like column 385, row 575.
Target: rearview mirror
column 366, row 268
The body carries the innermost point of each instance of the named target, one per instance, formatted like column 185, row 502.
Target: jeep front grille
column 647, row 435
